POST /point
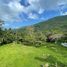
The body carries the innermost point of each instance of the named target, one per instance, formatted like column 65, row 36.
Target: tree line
column 29, row 36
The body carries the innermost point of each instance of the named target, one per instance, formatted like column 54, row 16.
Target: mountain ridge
column 56, row 23
column 59, row 22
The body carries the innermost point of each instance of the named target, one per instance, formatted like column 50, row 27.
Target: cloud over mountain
column 12, row 9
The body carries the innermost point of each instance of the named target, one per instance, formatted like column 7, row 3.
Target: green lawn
column 18, row 55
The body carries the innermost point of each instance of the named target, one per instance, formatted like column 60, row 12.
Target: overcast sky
column 18, row 13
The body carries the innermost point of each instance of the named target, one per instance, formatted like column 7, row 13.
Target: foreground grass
column 18, row 55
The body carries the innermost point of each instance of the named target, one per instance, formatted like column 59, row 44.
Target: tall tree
column 1, row 31
column 1, row 23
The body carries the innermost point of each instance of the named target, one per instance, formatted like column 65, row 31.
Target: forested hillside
column 53, row 30
column 58, row 23
column 40, row 45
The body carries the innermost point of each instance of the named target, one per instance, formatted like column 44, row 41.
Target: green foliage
column 37, row 34
column 18, row 55
column 57, row 23
column 24, row 56
column 1, row 23
column 63, row 39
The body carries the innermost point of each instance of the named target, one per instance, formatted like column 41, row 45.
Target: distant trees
column 63, row 38
column 1, row 23
column 56, row 37
column 30, row 36
column 1, row 31
column 33, row 37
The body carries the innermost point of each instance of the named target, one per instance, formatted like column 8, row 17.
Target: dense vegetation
column 58, row 23
column 16, row 45
column 54, row 30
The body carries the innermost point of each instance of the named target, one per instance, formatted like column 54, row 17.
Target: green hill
column 30, row 47
column 59, row 23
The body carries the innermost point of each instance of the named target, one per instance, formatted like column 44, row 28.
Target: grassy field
column 18, row 55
